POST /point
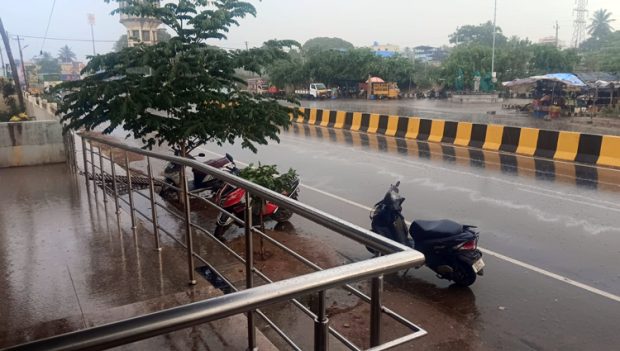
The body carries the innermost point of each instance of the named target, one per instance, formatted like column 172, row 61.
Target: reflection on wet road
column 561, row 218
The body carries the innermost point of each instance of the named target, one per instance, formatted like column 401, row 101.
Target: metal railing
column 251, row 299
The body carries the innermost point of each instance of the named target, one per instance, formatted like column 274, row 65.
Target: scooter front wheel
column 463, row 274
column 220, row 230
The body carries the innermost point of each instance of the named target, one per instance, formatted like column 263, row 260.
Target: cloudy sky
column 401, row 22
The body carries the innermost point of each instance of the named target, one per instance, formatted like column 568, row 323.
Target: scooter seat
column 425, row 230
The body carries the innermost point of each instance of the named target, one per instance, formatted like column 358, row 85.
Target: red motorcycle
column 232, row 199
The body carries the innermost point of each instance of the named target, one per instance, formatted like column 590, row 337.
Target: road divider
column 582, row 175
column 601, row 150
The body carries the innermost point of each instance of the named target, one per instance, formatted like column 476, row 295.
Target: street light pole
column 493, row 54
column 91, row 21
column 9, row 54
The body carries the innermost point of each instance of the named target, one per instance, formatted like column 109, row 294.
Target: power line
column 49, row 20
column 66, row 39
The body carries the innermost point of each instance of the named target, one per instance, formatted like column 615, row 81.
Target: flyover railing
column 105, row 172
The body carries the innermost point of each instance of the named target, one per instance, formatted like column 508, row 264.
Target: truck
column 315, row 91
column 257, row 86
column 382, row 90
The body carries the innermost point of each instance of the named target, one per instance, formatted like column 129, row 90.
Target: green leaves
column 182, row 92
column 269, row 177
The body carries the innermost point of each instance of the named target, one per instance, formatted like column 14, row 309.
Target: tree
column 49, row 67
column 607, row 58
column 466, row 61
column 549, row 59
column 183, row 92
column 324, row 43
column 601, row 24
column 163, row 35
column 121, row 43
column 481, row 34
column 66, row 55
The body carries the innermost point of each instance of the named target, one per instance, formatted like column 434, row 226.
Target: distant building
column 70, row 70
column 551, row 41
column 385, row 50
column 140, row 29
column 429, row 54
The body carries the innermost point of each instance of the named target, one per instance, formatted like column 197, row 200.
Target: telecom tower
column 140, row 29
column 579, row 26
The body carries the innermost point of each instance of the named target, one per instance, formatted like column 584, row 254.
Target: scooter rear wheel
column 463, row 274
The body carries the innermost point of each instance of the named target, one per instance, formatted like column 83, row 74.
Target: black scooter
column 450, row 248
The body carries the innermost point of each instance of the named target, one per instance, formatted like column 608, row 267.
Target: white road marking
column 486, row 251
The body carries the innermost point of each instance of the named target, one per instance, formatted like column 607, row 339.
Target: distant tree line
column 334, row 60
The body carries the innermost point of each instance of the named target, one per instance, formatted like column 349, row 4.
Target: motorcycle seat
column 424, row 230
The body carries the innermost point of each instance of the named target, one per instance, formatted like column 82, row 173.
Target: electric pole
column 557, row 29
column 21, row 57
column 3, row 66
column 246, row 46
column 579, row 26
column 493, row 77
column 9, row 54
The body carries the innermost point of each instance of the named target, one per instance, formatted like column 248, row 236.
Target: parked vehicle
column 202, row 184
column 257, row 86
column 315, row 91
column 384, row 90
column 450, row 248
column 232, row 199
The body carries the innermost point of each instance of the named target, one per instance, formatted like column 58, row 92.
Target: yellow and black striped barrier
column 539, row 168
column 602, row 150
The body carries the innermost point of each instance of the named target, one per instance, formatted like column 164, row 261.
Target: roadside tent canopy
column 375, row 80
column 568, row 79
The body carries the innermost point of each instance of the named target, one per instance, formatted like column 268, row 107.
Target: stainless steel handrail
column 322, row 328
column 338, row 225
column 138, row 328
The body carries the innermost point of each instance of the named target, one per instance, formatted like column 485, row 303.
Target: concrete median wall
column 602, row 150
column 31, row 143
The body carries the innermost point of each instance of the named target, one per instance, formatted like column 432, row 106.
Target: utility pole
column 493, row 54
column 9, row 54
column 3, row 66
column 557, row 29
column 21, row 57
column 91, row 21
column 246, row 46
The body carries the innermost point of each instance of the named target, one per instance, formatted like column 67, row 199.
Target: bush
column 269, row 177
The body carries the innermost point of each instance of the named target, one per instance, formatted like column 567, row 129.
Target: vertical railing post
column 93, row 173
column 132, row 213
column 375, row 310
column 153, row 201
column 188, row 228
column 85, row 163
column 249, row 267
column 103, row 182
column 321, row 326
column 113, row 166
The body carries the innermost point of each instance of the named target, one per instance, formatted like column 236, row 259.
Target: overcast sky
column 401, row 22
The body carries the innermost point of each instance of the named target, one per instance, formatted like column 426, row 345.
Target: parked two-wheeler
column 232, row 199
column 450, row 249
column 202, row 184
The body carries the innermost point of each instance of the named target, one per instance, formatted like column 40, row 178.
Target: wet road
column 550, row 230
column 470, row 112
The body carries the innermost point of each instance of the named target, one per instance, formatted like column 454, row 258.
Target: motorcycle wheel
column 219, row 231
column 282, row 215
column 463, row 274
column 167, row 192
